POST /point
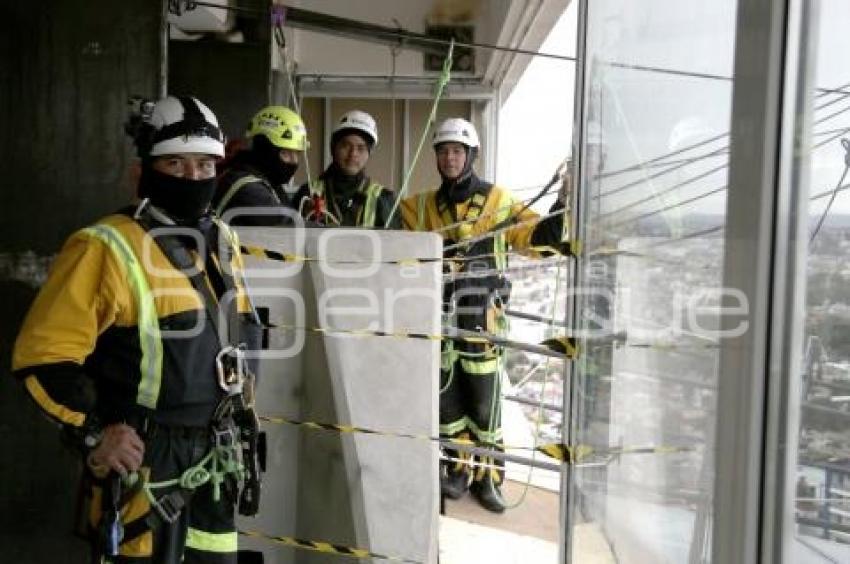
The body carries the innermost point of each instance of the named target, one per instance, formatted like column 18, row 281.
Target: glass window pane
column 822, row 504
column 657, row 111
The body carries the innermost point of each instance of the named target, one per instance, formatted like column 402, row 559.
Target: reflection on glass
column 822, row 505
column 657, row 110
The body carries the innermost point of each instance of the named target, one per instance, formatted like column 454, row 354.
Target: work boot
column 488, row 493
column 455, row 482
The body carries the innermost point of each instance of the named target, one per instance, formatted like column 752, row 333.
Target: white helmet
column 182, row 125
column 361, row 121
column 457, row 130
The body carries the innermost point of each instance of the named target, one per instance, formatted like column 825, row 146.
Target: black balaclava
column 184, row 200
column 460, row 189
column 266, row 158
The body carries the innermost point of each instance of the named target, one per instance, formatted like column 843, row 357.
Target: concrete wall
column 378, row 493
column 66, row 71
column 233, row 79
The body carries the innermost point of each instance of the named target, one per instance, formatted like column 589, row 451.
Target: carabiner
column 230, row 366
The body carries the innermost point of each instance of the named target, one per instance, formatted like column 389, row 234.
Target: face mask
column 286, row 171
column 184, row 199
column 267, row 158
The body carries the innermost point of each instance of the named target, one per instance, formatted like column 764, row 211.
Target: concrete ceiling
column 520, row 23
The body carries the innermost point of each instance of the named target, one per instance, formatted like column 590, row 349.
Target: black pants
column 471, row 399
column 204, row 532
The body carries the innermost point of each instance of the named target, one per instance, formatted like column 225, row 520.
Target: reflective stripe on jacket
column 420, row 212
column 366, row 214
column 115, row 313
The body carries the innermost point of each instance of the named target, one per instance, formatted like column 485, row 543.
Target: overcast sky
column 535, row 124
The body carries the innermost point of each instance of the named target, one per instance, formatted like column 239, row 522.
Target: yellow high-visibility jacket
column 421, row 213
column 117, row 330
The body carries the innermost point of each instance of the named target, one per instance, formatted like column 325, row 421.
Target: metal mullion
column 756, row 232
column 782, row 423
column 571, row 395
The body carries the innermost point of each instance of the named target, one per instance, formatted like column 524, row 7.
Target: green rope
column 527, row 485
column 445, row 76
column 222, row 461
column 452, row 355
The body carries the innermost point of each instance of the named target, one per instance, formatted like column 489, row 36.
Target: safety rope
column 219, row 463
column 510, row 222
column 658, row 174
column 700, row 176
column 638, row 251
column 452, row 357
column 846, row 145
column 539, row 418
column 678, row 204
column 654, row 161
column 669, row 189
column 394, row 52
column 558, row 176
column 449, row 355
column 831, row 138
column 445, row 77
column 689, row 201
column 494, row 232
column 278, row 17
column 525, row 201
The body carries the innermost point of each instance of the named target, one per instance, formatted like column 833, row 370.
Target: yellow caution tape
column 562, row 347
column 524, row 254
column 365, row 332
column 670, row 346
column 567, row 346
column 362, row 430
column 268, row 254
column 326, row 547
column 613, row 251
column 570, row 454
column 579, row 453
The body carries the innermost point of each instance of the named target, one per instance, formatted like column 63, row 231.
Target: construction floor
column 526, row 533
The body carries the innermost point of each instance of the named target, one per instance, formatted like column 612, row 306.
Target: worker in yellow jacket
column 479, row 223
column 135, row 346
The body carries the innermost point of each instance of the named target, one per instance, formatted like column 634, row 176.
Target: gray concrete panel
column 378, row 493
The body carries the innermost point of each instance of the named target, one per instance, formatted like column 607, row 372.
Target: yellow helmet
column 281, row 126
